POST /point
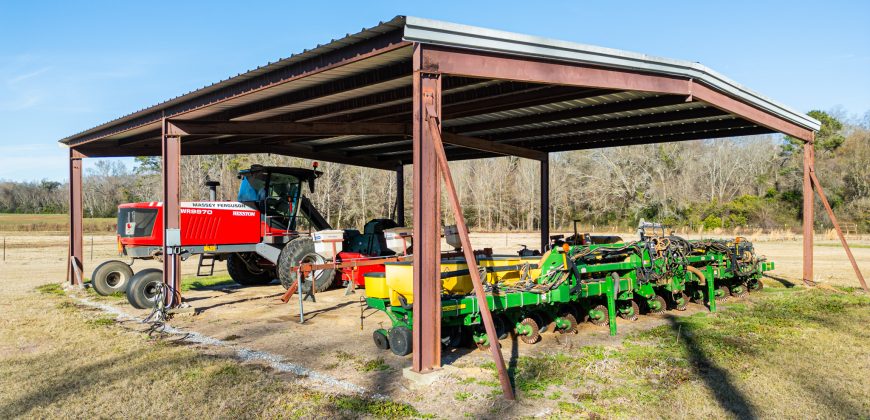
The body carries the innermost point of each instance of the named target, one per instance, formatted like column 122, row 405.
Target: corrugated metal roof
column 366, row 33
column 430, row 31
column 434, row 32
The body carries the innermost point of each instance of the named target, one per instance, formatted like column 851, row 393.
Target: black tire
column 381, row 340
column 400, row 341
column 242, row 274
column 143, row 288
column 302, row 249
column 111, row 277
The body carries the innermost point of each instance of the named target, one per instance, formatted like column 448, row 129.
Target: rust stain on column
column 427, row 230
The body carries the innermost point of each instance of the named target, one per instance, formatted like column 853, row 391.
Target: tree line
column 748, row 181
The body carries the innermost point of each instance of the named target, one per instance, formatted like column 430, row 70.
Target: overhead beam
column 468, row 63
column 663, row 130
column 577, row 139
column 728, row 104
column 376, row 80
column 587, row 111
column 249, row 128
column 490, row 146
column 610, row 123
column 294, row 150
column 373, row 101
column 602, row 142
column 455, row 61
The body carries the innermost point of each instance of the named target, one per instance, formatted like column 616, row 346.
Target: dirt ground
column 335, row 341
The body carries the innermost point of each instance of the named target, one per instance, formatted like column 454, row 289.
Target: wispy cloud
column 23, row 77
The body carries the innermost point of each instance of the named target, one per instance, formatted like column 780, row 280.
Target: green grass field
column 10, row 222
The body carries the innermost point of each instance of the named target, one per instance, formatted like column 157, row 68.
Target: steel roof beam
column 266, row 128
column 493, row 147
column 611, row 123
column 372, row 101
column 587, row 111
column 388, row 75
column 469, row 103
column 281, row 149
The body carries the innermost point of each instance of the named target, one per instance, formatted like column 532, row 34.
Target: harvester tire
column 143, row 288
column 302, row 249
column 242, row 274
column 400, row 341
column 111, row 277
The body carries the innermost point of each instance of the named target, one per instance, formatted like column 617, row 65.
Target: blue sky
column 68, row 66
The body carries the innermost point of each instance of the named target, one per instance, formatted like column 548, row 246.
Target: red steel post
column 171, row 215
column 545, row 204
column 427, row 228
column 808, row 214
column 75, row 266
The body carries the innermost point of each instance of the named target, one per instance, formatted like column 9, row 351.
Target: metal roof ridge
column 466, row 36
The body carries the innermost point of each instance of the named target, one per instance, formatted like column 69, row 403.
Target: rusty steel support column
column 821, row 192
column 171, row 163
column 545, row 204
column 75, row 263
column 400, row 195
column 808, row 214
column 427, row 227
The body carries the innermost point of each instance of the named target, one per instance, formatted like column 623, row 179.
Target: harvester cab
column 276, row 192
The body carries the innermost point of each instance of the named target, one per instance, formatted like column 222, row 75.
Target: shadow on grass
column 783, row 281
column 716, row 378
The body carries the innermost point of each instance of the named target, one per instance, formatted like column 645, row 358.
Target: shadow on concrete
column 202, row 309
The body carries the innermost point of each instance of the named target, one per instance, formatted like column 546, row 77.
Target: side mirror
column 311, row 185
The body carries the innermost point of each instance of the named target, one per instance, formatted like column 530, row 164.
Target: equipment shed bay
column 366, row 100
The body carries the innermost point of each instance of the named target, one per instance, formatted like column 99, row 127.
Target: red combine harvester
column 264, row 235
